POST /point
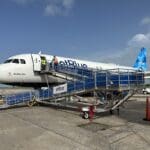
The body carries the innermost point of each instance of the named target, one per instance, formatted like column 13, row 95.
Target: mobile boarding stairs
column 110, row 88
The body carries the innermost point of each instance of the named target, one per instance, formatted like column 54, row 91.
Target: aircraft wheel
column 85, row 115
column 111, row 112
column 32, row 102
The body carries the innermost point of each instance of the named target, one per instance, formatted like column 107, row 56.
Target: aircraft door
column 36, row 62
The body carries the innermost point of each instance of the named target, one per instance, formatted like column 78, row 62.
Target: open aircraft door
column 36, row 62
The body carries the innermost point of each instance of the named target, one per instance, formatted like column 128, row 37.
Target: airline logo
column 72, row 63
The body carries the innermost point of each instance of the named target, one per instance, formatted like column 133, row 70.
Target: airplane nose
column 4, row 73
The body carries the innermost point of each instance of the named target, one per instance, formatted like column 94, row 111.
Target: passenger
column 55, row 63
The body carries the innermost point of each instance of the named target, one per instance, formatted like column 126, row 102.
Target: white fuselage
column 24, row 69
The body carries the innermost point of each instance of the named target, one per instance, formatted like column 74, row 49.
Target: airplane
column 25, row 69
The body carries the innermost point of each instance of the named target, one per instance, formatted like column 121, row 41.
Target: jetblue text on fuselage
column 72, row 63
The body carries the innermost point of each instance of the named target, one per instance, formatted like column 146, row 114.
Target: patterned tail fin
column 140, row 63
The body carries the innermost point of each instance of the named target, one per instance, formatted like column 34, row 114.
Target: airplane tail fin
column 141, row 63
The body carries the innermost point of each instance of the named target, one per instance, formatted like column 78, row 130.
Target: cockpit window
column 8, row 61
column 22, row 61
column 16, row 61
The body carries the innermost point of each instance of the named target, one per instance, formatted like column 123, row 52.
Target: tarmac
column 47, row 128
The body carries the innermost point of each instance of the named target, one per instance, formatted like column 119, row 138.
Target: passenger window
column 22, row 61
column 16, row 61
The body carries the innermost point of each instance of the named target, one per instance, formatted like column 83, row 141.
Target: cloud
column 23, row 1
column 135, row 43
column 58, row 7
column 140, row 40
column 145, row 21
column 68, row 3
column 51, row 7
column 53, row 10
column 128, row 55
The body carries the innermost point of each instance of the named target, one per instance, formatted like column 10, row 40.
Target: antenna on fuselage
column 40, row 52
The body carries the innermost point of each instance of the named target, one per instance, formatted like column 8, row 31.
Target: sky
column 100, row 30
